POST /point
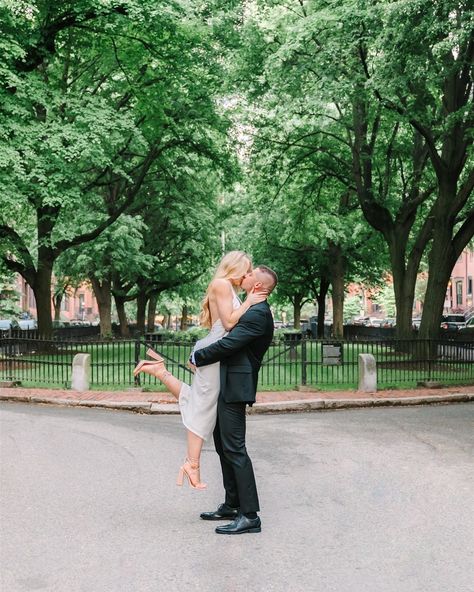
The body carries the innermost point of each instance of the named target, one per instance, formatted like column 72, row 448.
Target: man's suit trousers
column 237, row 470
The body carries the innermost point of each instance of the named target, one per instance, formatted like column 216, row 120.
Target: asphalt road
column 370, row 500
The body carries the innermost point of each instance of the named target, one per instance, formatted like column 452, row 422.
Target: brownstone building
column 77, row 304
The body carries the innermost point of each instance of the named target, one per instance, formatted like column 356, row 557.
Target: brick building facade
column 79, row 303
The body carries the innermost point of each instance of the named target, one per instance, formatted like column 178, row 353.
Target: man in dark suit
column 240, row 354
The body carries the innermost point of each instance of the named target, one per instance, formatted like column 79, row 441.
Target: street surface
column 370, row 500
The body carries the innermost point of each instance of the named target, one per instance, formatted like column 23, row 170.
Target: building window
column 81, row 306
column 65, row 302
column 31, row 298
column 469, row 286
column 458, row 293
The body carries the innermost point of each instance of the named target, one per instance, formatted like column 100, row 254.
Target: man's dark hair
column 274, row 278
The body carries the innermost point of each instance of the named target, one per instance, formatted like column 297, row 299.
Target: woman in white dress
column 221, row 310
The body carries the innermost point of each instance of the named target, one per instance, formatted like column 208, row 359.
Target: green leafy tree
column 117, row 251
column 389, row 114
column 386, row 298
column 305, row 221
column 9, row 296
column 94, row 94
column 352, row 307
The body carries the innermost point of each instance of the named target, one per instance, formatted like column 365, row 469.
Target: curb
column 328, row 404
column 294, row 406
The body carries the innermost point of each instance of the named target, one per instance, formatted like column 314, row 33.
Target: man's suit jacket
column 240, row 354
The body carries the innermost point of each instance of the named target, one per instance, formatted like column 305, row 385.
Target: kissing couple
column 225, row 365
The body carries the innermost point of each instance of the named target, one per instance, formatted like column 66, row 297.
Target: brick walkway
column 137, row 396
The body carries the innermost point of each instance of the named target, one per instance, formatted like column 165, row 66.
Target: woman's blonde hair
column 233, row 266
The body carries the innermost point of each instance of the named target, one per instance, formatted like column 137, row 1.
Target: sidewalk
column 267, row 402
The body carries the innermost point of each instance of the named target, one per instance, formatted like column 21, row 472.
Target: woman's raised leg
column 191, row 465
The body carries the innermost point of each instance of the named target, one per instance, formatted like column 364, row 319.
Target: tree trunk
column 404, row 298
column 120, row 306
column 338, row 268
column 441, row 261
column 404, row 289
column 142, row 299
column 150, row 327
column 297, row 300
column 42, row 292
column 184, row 317
column 58, row 298
column 321, row 300
column 103, row 295
column 404, row 283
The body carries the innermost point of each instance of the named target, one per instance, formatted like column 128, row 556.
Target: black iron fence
column 291, row 361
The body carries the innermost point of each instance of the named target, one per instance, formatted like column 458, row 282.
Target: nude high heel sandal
column 144, row 363
column 152, row 353
column 190, row 470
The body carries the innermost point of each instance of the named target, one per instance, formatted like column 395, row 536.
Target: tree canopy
column 331, row 139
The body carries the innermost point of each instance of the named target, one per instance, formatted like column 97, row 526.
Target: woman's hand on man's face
column 256, row 295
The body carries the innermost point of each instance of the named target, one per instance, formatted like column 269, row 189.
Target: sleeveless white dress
column 198, row 402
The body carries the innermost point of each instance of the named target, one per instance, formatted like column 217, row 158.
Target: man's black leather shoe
column 223, row 512
column 241, row 525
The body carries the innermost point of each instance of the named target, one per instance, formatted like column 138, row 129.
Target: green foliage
column 189, row 336
column 386, row 298
column 352, row 307
column 135, row 136
column 104, row 107
column 9, row 296
column 420, row 288
column 361, row 108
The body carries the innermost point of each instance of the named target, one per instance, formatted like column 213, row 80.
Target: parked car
column 415, row 323
column 374, row 322
column 79, row 323
column 8, row 325
column 387, row 323
column 361, row 320
column 26, row 324
column 453, row 322
column 468, row 329
column 60, row 324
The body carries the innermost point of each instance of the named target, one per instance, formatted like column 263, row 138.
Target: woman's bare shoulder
column 220, row 287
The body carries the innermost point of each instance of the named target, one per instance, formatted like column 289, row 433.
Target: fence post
column 367, row 373
column 137, row 358
column 303, row 362
column 432, row 347
column 10, row 358
column 81, row 372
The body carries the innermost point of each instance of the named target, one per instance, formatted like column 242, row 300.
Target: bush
column 196, row 333
column 192, row 335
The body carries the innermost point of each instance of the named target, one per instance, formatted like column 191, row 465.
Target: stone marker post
column 81, row 372
column 367, row 373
